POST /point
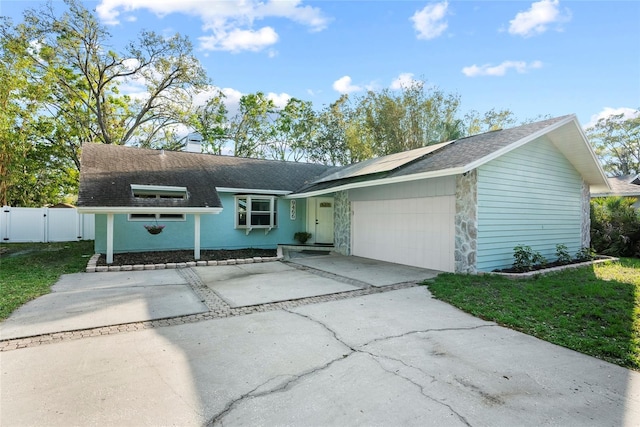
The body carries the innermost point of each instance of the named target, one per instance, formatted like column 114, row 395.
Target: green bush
column 526, row 258
column 562, row 253
column 615, row 226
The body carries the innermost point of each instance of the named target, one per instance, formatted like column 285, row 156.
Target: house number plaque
column 292, row 209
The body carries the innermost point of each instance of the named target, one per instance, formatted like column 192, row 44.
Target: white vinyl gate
column 45, row 225
column 418, row 232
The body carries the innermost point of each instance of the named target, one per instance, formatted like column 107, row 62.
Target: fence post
column 45, row 225
column 5, row 217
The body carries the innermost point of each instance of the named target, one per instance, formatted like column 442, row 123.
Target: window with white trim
column 158, row 192
column 256, row 211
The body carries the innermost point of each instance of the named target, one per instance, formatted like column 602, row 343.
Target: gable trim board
column 458, row 206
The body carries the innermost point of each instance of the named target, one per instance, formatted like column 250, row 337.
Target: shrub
column 585, row 254
column 562, row 253
column 615, row 226
column 302, row 236
column 525, row 258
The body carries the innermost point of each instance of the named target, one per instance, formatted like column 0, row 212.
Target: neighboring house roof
column 465, row 154
column 108, row 171
column 626, row 185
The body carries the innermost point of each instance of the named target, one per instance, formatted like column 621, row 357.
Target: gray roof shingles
column 107, row 172
column 626, row 185
column 460, row 153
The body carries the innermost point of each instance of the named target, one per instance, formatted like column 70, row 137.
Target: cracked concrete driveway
column 361, row 353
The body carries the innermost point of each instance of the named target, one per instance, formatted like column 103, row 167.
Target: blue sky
column 535, row 58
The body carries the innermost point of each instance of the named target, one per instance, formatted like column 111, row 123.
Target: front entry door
column 324, row 220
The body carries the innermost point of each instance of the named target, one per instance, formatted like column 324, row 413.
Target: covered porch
column 112, row 230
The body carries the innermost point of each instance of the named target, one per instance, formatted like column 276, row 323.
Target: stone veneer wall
column 466, row 223
column 342, row 222
column 586, row 215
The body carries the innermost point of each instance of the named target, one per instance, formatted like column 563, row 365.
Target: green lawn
column 593, row 310
column 27, row 270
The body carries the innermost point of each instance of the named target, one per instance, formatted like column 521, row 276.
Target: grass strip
column 28, row 270
column 594, row 310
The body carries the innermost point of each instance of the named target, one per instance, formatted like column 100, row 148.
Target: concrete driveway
column 370, row 348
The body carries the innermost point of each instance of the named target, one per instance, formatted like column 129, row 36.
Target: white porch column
column 196, row 234
column 110, row 238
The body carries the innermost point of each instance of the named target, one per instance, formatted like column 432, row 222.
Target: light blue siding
column 442, row 186
column 216, row 231
column 530, row 196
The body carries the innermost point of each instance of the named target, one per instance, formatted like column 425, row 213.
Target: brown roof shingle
column 107, row 172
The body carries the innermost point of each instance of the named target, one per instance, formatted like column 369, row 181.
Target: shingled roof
column 108, row 171
column 626, row 185
column 465, row 154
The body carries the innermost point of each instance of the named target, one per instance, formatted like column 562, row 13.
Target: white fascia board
column 252, row 191
column 160, row 188
column 383, row 181
column 517, row 144
column 603, row 175
column 149, row 210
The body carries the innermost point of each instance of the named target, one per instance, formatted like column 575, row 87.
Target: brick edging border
column 93, row 268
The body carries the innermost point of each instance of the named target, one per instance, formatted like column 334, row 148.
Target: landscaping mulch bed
column 133, row 258
column 541, row 267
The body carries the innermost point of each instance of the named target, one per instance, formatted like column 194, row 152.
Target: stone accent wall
column 342, row 222
column 466, row 222
column 586, row 216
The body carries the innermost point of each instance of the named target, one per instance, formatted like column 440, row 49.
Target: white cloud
column 238, row 40
column 627, row 113
column 501, row 69
column 429, row 22
column 343, row 85
column 279, row 99
column 537, row 19
column 230, row 22
column 404, row 80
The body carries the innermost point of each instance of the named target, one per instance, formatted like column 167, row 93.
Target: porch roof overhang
column 146, row 210
column 252, row 191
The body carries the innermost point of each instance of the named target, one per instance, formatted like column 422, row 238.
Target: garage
column 413, row 231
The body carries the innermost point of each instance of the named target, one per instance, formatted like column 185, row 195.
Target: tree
column 249, row 128
column 329, row 145
column 74, row 49
column 62, row 71
column 293, row 129
column 616, row 140
column 475, row 123
column 393, row 121
column 211, row 123
column 28, row 165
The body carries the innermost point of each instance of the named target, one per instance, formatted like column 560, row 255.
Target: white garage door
column 418, row 232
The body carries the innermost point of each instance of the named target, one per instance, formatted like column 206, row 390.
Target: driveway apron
column 352, row 349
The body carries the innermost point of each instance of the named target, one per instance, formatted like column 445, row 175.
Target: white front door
column 323, row 220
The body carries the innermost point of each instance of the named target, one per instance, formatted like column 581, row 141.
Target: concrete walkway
column 372, row 355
